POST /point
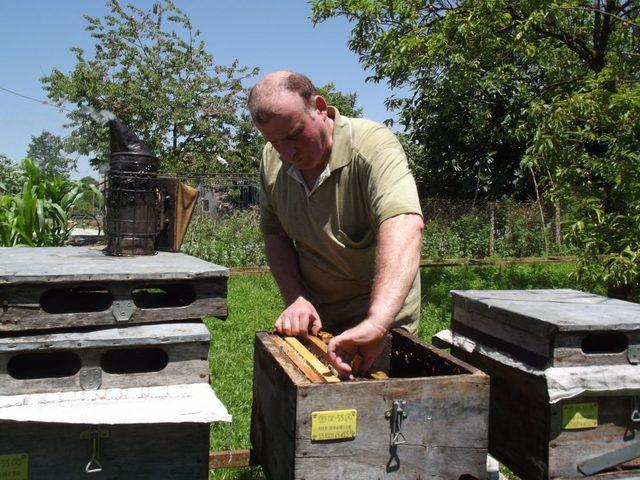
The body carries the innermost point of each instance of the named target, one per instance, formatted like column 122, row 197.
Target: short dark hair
column 293, row 82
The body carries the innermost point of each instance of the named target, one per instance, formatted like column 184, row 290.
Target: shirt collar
column 296, row 174
column 341, row 146
column 340, row 151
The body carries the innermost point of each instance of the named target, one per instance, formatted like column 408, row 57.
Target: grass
column 255, row 303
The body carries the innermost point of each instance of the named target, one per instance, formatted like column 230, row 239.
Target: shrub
column 234, row 240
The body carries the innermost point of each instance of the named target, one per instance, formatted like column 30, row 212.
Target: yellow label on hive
column 14, row 467
column 333, row 424
column 579, row 415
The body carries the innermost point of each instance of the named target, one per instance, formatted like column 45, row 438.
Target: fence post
column 492, row 227
column 558, row 225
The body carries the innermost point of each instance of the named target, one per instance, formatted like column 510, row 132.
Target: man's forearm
column 397, row 262
column 283, row 262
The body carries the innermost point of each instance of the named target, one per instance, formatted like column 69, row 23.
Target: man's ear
column 321, row 104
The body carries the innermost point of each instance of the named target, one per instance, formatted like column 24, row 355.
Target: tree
column 11, row 176
column 151, row 69
column 344, row 102
column 504, row 90
column 48, row 153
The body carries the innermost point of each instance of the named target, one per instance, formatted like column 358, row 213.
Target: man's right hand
column 298, row 319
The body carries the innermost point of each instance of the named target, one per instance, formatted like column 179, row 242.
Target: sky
column 36, row 35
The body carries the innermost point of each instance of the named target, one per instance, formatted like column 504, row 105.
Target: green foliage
column 11, row 176
column 48, row 153
column 344, row 102
column 234, row 240
column 88, row 209
column 151, row 69
column 465, row 237
column 590, row 142
column 493, row 82
column 38, row 214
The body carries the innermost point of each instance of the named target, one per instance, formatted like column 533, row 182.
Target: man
column 341, row 220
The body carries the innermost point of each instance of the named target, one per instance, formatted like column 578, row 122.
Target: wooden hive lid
column 546, row 312
column 22, row 265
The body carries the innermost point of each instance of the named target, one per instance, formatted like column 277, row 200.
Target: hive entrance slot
column 30, row 366
column 76, row 300
column 133, row 360
column 599, row 343
column 163, row 296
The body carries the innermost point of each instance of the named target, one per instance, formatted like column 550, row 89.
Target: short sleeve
column 391, row 187
column 269, row 223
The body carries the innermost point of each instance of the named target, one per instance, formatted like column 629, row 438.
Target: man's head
column 289, row 113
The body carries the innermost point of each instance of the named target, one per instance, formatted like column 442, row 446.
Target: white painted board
column 194, row 403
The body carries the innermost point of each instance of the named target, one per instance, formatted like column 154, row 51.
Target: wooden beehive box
column 131, row 402
column 69, row 287
column 305, row 430
column 131, row 433
column 564, row 379
column 135, row 356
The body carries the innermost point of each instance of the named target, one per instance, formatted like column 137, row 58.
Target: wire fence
column 454, row 228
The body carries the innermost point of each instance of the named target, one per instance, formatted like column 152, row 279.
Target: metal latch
column 635, row 410
column 94, row 435
column 122, row 310
column 396, row 415
column 633, row 354
column 91, row 378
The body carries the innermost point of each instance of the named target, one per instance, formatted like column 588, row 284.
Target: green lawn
column 254, row 304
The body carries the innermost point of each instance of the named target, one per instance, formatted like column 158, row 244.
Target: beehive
column 428, row 420
column 104, row 364
column 564, row 378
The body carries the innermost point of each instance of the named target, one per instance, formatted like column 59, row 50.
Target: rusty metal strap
column 609, row 460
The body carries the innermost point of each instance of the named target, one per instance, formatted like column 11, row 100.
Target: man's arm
column 397, row 262
column 300, row 314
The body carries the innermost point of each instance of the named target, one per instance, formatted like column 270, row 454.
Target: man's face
column 299, row 134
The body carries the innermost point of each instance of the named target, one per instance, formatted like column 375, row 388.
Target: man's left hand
column 366, row 338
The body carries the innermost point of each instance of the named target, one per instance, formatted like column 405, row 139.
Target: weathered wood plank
column 23, row 309
column 230, row 459
column 74, row 264
column 275, row 385
column 608, row 348
column 443, row 413
column 171, row 333
column 130, row 452
column 509, row 335
column 545, row 312
column 448, row 262
column 184, row 348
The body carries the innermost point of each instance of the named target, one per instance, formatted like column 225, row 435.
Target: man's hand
column 298, row 318
column 366, row 338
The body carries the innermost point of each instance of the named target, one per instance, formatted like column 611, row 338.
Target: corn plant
column 38, row 214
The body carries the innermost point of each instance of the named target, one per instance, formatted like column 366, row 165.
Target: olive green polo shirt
column 334, row 225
